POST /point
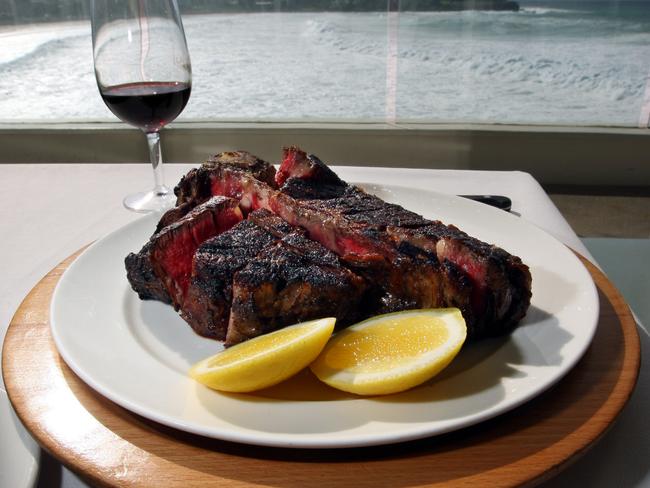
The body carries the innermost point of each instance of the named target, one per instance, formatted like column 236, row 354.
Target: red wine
column 147, row 105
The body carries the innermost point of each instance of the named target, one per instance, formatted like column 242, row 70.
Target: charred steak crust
column 196, row 186
column 207, row 304
column 292, row 281
column 307, row 167
column 142, row 278
column 245, row 161
column 271, row 223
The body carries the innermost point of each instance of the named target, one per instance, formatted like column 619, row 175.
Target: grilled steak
column 142, row 278
column 292, row 281
column 313, row 246
column 173, row 248
column 399, row 281
column 412, row 261
column 207, row 304
column 489, row 285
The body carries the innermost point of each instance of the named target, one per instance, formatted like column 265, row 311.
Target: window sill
column 553, row 155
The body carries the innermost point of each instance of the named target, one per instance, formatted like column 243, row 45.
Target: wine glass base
column 150, row 201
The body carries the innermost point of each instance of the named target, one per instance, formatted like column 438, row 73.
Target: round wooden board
column 110, row 446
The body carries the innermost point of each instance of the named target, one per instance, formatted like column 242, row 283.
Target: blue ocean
column 553, row 62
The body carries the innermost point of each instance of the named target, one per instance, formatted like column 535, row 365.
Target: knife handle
column 498, row 201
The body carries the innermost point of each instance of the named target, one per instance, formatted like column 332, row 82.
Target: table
column 50, row 211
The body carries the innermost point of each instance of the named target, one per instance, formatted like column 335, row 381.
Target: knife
column 498, row 201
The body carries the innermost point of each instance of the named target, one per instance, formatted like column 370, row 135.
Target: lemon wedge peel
column 265, row 360
column 349, row 363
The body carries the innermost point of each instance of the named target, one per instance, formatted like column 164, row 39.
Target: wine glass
column 144, row 75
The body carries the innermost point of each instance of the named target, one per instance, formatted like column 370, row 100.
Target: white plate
column 19, row 453
column 137, row 353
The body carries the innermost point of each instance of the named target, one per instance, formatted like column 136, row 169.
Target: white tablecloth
column 50, row 211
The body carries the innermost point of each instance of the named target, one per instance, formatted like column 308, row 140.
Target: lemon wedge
column 264, row 360
column 392, row 352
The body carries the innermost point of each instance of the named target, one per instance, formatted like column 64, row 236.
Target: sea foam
column 539, row 65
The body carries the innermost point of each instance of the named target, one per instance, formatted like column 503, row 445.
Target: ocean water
column 582, row 62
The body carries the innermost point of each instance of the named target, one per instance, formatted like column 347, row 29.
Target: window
column 550, row 63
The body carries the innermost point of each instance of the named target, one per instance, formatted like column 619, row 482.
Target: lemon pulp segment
column 264, row 344
column 393, row 352
column 265, row 360
column 387, row 344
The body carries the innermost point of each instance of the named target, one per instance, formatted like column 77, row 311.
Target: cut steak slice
column 292, row 281
column 207, row 304
column 173, row 248
column 141, row 277
column 196, row 186
column 174, row 214
column 306, row 167
column 500, row 282
column 490, row 286
column 399, row 281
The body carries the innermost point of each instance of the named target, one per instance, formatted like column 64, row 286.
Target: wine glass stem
column 155, row 155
